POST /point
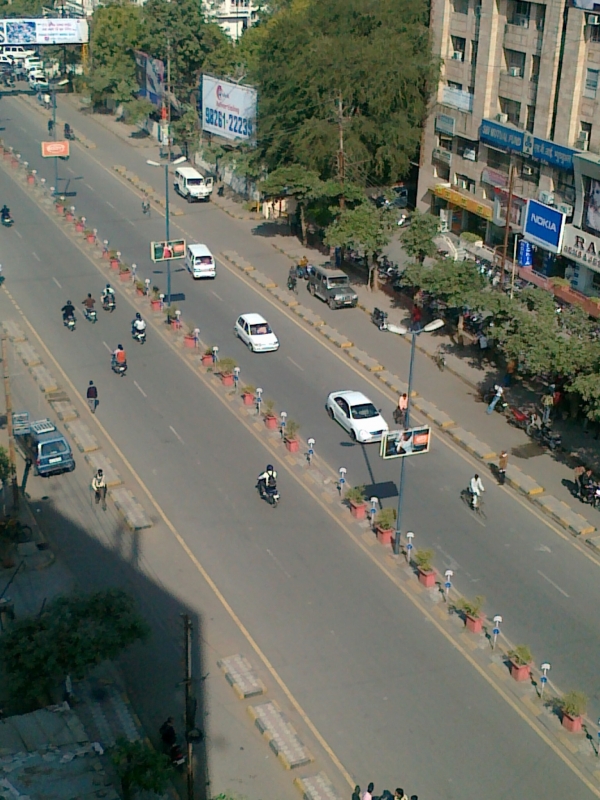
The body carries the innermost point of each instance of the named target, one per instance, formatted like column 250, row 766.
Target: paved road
column 311, row 598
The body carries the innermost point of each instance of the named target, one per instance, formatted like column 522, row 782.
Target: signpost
column 167, row 251
column 410, row 442
column 59, row 149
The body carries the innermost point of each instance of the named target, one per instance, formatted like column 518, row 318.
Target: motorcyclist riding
column 5, row 212
column 476, row 489
column 68, row 311
column 267, row 481
column 67, row 131
column 138, row 325
column 292, row 279
column 89, row 303
column 119, row 356
column 108, row 295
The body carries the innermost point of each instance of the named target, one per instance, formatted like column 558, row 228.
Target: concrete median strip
column 44, row 379
column 563, row 514
column 130, row 509
column 28, row 355
column 432, row 412
column 364, row 359
column 308, row 316
column 335, row 336
column 263, row 280
column 98, row 461
column 241, row 677
column 471, row 443
column 316, row 787
column 282, row 738
column 64, row 410
column 522, row 482
column 82, row 436
column 14, row 331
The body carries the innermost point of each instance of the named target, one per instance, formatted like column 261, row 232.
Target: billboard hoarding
column 150, row 75
column 525, row 253
column 228, row 109
column 410, row 442
column 44, row 31
column 544, row 226
column 59, row 149
column 166, row 251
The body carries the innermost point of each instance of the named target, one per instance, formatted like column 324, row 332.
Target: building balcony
column 457, row 98
column 510, row 85
column 445, row 156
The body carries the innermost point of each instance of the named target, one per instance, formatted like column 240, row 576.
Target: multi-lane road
column 386, row 692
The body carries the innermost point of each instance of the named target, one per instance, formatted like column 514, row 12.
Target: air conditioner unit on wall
column 527, row 170
column 458, row 55
column 502, row 117
column 515, row 72
column 566, row 209
column 593, row 19
column 547, row 198
column 584, row 136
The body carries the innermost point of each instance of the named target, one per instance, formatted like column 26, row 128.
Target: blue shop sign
column 505, row 137
column 544, row 226
column 525, row 253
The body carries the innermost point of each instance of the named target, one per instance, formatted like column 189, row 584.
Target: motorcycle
column 546, row 436
column 292, row 283
column 108, row 302
column 90, row 314
column 268, row 493
column 8, row 222
column 68, row 133
column 117, row 368
column 500, row 406
column 379, row 318
column 176, row 754
column 520, row 419
column 138, row 336
column 69, row 323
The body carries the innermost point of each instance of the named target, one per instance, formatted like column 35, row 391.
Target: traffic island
column 64, row 410
column 283, row 739
column 335, row 336
column 364, row 359
column 432, row 412
column 44, row 379
column 28, row 355
column 522, row 482
column 241, row 677
column 471, row 443
column 13, row 331
column 316, row 787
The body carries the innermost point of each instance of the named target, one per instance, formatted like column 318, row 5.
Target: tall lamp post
column 53, row 87
column 179, row 160
column 400, row 329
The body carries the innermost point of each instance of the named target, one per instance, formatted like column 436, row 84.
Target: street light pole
column 179, row 160
column 54, row 137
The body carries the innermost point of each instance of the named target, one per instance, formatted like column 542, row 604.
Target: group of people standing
column 369, row 794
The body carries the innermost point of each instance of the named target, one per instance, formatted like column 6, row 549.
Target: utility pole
column 190, row 705
column 509, row 202
column 9, row 426
column 168, row 101
column 341, row 158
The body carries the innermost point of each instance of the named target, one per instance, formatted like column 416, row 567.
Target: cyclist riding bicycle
column 476, row 489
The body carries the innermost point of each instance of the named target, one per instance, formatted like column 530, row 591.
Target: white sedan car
column 256, row 333
column 357, row 414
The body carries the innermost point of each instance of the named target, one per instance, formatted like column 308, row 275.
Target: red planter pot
column 139, row 292
column 59, row 208
column 227, row 380
column 358, row 510
column 271, row 423
column 520, row 672
column 175, row 324
column 7, row 155
column 90, row 238
column 124, row 276
column 105, row 255
column 384, row 535
column 69, row 217
column 207, row 360
column 79, row 227
column 114, row 263
column 293, row 445
column 427, row 578
column 474, row 624
column 155, row 305
column 248, row 399
column 14, row 163
column 30, row 179
column 572, row 724
column 189, row 340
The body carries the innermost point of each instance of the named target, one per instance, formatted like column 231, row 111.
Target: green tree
column 418, row 237
column 21, row 8
column 457, row 283
column 325, row 64
column 366, row 229
column 116, row 33
column 6, row 468
column 294, row 181
column 140, row 768
column 185, row 130
column 72, row 635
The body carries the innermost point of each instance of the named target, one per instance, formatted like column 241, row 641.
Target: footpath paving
column 456, row 392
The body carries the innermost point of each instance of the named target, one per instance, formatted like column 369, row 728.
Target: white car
column 256, row 333
column 357, row 414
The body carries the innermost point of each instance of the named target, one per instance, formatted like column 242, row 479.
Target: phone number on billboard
column 230, row 122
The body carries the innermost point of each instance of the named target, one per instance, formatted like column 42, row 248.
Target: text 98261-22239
column 229, row 122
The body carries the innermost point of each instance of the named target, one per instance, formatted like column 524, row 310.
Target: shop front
column 459, row 213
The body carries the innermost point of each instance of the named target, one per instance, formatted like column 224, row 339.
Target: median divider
column 28, row 355
column 280, row 734
column 130, row 509
column 82, row 436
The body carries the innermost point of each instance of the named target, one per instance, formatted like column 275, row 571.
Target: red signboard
column 58, row 149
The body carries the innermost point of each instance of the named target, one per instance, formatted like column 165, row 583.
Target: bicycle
column 440, row 358
column 475, row 502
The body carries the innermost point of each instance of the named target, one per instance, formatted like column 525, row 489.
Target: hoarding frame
column 228, row 109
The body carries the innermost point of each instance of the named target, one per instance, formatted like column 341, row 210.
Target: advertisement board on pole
column 228, row 109
column 166, row 251
column 150, row 74
column 58, row 149
column 44, row 31
column 411, row 442
column 544, row 226
column 525, row 253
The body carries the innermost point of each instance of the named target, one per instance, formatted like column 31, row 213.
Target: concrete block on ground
column 563, row 514
column 263, row 280
column 287, row 298
column 594, row 543
column 433, row 413
column 231, row 255
column 282, row 738
column 519, row 480
column 13, row 331
column 471, row 443
column 64, row 409
column 396, row 385
column 364, row 359
column 82, row 436
column 28, row 355
column 98, row 460
column 240, row 675
column 308, row 316
column 335, row 336
column 44, row 379
column 132, row 512
column 316, row 787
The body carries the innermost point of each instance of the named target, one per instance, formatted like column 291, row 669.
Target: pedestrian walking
column 498, row 392
column 99, row 487
column 356, row 793
column 401, row 409
column 400, row 795
column 368, row 794
column 92, row 397
column 547, row 405
column 483, row 345
column 510, row 371
column 502, row 465
column 415, row 317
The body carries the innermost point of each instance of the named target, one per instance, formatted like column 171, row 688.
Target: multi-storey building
column 234, row 16
column 519, row 92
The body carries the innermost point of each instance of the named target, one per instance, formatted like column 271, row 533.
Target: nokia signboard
column 544, row 226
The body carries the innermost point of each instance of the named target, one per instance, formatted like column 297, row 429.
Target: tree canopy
column 140, row 768
column 116, row 33
column 418, row 237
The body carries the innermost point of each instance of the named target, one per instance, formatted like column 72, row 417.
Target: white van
column 17, row 51
column 189, row 183
column 200, row 261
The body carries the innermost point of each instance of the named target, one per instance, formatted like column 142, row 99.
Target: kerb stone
column 308, row 316
column 82, row 436
column 316, row 787
column 564, row 515
column 43, row 377
column 241, row 677
column 335, row 336
column 519, row 480
column 132, row 512
column 64, row 410
column 13, row 331
column 263, row 280
column 27, row 354
column 471, row 443
column 97, row 460
column 433, row 413
column 364, row 359
column 282, row 738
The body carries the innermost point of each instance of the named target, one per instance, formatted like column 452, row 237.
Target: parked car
column 333, row 287
column 256, row 333
column 45, row 446
column 356, row 414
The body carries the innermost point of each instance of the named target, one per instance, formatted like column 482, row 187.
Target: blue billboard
column 544, row 226
column 506, row 137
column 525, row 253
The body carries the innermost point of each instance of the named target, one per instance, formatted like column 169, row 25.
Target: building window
column 459, row 45
column 530, row 118
column 535, row 69
column 585, row 134
column 540, row 19
column 530, row 172
column 515, row 62
column 591, row 82
column 442, row 172
column 455, row 85
column 460, row 6
column 467, row 149
column 464, row 182
column 519, row 13
column 498, row 160
column 564, row 185
column 445, row 142
column 592, row 33
column 474, row 45
column 511, row 108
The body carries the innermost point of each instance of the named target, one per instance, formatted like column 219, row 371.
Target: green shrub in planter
column 470, row 607
column 267, row 408
column 386, row 519
column 355, row 495
column 248, row 389
column 467, row 236
column 291, row 429
column 573, row 703
column 423, row 559
column 521, row 655
column 227, row 365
